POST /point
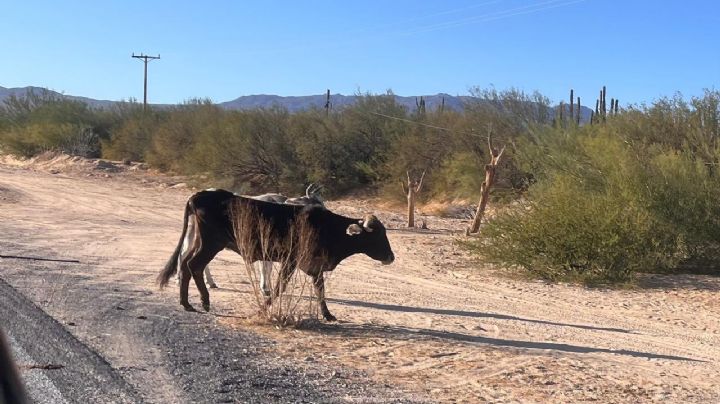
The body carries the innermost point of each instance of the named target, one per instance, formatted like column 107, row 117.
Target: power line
column 397, row 118
column 411, row 121
column 461, row 132
column 495, row 15
column 424, row 28
column 146, row 59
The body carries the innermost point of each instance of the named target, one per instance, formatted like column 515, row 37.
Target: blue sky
column 639, row 49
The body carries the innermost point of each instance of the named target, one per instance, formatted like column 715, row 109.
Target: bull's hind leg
column 197, row 265
column 189, row 249
column 209, row 279
column 184, row 284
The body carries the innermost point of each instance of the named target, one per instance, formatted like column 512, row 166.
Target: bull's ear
column 353, row 230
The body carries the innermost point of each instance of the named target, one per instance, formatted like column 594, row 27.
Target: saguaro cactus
column 577, row 120
column 327, row 103
column 420, row 106
column 597, row 108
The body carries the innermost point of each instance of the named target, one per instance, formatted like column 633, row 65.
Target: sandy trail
column 433, row 324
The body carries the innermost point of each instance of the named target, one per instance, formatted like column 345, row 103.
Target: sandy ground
column 434, row 326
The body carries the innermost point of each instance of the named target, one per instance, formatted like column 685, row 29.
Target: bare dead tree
column 490, row 169
column 411, row 190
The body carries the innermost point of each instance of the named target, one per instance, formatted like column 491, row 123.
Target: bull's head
column 374, row 239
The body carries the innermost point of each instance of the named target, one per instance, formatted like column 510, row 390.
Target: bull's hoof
column 206, row 306
column 188, row 307
column 268, row 301
column 265, row 293
column 329, row 317
column 212, row 286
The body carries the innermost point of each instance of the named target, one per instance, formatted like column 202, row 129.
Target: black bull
column 218, row 219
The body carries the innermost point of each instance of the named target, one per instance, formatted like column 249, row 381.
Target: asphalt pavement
column 55, row 366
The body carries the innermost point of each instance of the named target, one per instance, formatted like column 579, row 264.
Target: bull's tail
column 172, row 264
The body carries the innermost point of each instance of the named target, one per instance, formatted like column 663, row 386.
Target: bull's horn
column 313, row 189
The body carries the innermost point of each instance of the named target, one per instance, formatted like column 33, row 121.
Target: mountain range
column 291, row 103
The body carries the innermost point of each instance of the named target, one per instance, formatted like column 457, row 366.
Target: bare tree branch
column 497, row 158
column 420, row 184
column 490, row 170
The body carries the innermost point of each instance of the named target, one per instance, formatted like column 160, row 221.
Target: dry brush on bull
column 290, row 302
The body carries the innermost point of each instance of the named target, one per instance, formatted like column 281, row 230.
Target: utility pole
column 146, row 59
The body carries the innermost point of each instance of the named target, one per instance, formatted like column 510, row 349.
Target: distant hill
column 291, row 103
column 7, row 92
column 299, row 103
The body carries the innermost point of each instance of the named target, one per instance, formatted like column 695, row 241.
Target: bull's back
column 250, row 223
column 267, row 231
column 260, row 216
column 212, row 208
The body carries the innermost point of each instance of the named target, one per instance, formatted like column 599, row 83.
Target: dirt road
column 431, row 327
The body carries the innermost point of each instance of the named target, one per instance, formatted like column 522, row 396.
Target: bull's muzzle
column 389, row 260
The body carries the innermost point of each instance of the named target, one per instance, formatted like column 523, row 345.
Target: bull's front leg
column 319, row 284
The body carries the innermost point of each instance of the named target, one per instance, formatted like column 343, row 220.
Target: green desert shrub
column 589, row 216
column 35, row 138
column 461, row 175
column 44, row 121
column 129, row 130
column 683, row 193
column 174, row 138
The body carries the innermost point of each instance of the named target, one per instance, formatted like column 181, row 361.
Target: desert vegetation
column 634, row 190
column 635, row 193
